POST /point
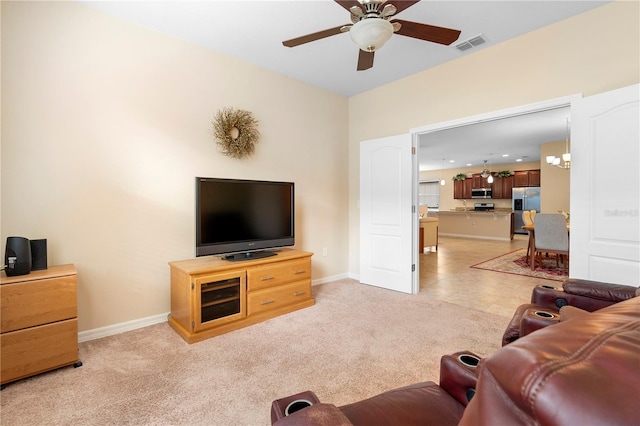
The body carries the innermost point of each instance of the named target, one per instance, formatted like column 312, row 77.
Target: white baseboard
column 110, row 330
column 354, row 276
column 329, row 279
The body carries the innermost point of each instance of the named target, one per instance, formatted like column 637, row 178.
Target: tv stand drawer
column 267, row 276
column 272, row 298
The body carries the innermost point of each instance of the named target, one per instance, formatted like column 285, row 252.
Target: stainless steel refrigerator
column 524, row 199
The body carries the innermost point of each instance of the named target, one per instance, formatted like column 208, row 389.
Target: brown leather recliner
column 547, row 303
column 582, row 371
column 416, row 404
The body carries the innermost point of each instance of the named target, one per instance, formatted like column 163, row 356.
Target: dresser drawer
column 32, row 303
column 38, row 349
column 282, row 295
column 271, row 275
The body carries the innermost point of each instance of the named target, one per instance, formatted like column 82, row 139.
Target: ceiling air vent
column 470, row 43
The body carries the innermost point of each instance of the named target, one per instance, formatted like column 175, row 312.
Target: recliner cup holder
column 543, row 314
column 469, row 360
column 297, row 405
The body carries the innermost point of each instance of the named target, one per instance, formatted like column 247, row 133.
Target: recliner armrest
column 318, row 415
column 535, row 319
column 459, row 375
column 599, row 290
column 590, row 298
column 418, row 404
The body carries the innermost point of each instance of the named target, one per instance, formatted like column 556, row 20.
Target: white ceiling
column 254, row 30
column 517, row 137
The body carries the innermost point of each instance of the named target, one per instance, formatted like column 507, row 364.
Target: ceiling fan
column 372, row 27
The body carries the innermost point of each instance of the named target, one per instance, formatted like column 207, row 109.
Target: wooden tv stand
column 211, row 296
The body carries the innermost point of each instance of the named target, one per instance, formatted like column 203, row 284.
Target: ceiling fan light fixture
column 371, row 34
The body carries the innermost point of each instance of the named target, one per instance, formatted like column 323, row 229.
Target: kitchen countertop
column 496, row 211
column 428, row 219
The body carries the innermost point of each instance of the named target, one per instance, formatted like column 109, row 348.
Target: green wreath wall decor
column 236, row 132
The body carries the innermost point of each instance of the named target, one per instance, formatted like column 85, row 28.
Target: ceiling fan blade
column 312, row 37
column 402, row 4
column 348, row 3
column 365, row 60
column 426, row 32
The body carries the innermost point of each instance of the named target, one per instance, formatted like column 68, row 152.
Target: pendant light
column 490, row 179
column 442, row 181
column 485, row 173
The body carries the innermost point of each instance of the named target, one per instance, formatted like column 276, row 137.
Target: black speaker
column 38, row 254
column 17, row 256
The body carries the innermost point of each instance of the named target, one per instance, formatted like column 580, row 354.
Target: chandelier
column 552, row 160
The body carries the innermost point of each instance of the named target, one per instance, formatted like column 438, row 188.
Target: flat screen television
column 242, row 219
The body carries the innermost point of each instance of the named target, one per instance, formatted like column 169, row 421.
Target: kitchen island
column 488, row 225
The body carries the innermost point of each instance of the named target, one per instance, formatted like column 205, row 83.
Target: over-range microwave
column 481, row 193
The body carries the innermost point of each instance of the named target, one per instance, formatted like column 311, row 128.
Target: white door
column 387, row 219
column 605, row 187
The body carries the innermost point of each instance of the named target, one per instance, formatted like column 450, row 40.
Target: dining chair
column 526, row 218
column 550, row 236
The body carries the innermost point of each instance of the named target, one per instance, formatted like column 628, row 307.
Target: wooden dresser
column 39, row 322
column 211, row 296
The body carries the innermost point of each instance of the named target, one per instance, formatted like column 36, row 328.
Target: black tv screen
column 240, row 218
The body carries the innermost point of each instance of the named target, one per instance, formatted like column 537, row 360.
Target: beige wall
column 556, row 178
column 105, row 126
column 559, row 60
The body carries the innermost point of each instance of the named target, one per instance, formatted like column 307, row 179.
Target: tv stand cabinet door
column 218, row 299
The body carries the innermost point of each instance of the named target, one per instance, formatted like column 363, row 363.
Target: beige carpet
column 516, row 263
column 355, row 342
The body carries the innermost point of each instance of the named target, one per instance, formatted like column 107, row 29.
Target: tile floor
column 446, row 275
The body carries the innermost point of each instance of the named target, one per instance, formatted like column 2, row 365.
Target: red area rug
column 516, row 263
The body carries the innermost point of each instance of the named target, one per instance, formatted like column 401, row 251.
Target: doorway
column 424, row 133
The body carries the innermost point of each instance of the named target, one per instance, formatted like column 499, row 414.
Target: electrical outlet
column 324, row 251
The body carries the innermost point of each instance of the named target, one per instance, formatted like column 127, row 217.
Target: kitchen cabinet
column 502, row 186
column 523, row 178
column 462, row 189
column 457, row 189
column 466, row 188
column 534, row 177
column 479, row 181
